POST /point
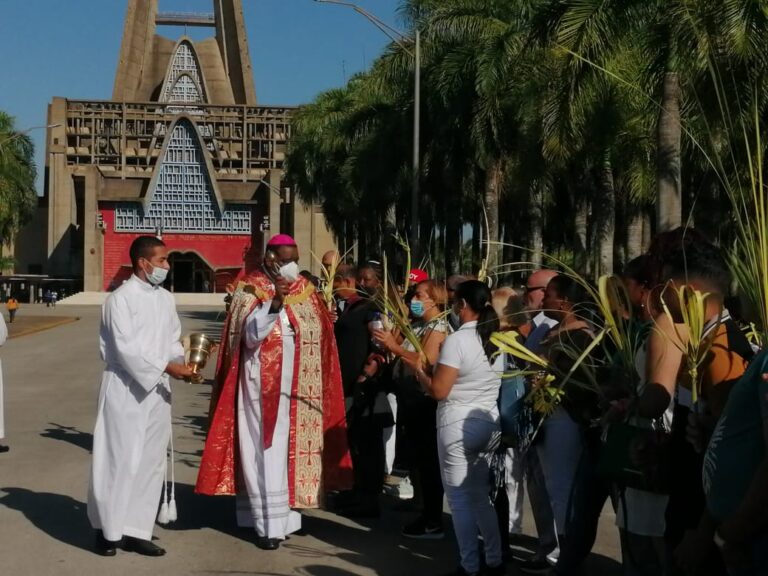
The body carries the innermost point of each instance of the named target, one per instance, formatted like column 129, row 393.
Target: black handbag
column 635, row 457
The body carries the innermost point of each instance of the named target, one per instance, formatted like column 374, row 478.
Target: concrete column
column 93, row 237
column 274, row 178
column 312, row 235
column 61, row 214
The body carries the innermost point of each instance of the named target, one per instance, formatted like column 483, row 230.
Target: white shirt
column 476, row 391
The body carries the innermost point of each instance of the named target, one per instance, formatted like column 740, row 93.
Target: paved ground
column 36, row 320
column 51, row 383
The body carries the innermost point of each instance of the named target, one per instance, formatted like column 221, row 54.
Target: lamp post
column 24, row 132
column 399, row 38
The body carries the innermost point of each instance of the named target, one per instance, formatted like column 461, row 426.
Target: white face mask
column 157, row 276
column 289, row 271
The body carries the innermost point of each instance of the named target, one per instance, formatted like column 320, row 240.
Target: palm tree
column 594, row 30
column 477, row 49
column 342, row 156
column 18, row 198
column 597, row 126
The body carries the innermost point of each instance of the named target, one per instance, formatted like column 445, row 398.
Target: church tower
column 182, row 151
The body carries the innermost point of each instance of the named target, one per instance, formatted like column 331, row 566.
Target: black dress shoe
column 267, row 543
column 4, row 448
column 143, row 547
column 103, row 546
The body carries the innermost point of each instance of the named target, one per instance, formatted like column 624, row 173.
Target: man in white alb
column 140, row 343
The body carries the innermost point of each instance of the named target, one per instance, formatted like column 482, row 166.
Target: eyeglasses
column 534, row 288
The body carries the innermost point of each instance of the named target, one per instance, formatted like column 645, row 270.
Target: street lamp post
column 24, row 132
column 399, row 38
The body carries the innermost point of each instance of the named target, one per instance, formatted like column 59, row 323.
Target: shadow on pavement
column 61, row 517
column 597, row 564
column 215, row 512
column 69, row 434
column 375, row 545
column 379, row 547
column 214, row 320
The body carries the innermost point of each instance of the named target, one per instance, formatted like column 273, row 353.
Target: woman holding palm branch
column 418, row 411
column 465, row 382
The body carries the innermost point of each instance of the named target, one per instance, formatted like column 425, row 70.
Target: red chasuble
column 318, row 455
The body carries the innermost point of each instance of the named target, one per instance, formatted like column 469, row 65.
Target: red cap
column 417, row 275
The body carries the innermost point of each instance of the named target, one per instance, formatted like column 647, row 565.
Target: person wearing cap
column 278, row 420
column 418, row 411
column 417, row 275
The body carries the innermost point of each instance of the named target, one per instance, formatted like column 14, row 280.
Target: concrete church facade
column 182, row 151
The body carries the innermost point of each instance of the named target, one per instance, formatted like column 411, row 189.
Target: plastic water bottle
column 376, row 324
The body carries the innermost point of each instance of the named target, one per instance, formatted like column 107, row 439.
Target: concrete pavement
column 51, row 385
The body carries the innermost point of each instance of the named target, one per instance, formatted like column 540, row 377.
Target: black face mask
column 367, row 290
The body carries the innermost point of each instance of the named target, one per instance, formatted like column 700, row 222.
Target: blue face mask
column 417, row 308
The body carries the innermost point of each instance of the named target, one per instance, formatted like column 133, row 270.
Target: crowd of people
column 321, row 403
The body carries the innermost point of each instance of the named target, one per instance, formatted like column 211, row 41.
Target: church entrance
column 189, row 273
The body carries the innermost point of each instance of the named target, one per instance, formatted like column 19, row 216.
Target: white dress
column 140, row 335
column 265, row 504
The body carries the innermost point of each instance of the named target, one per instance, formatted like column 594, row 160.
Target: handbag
column 632, row 456
column 516, row 416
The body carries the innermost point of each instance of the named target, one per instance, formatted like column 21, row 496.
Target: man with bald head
column 547, row 549
column 330, row 258
column 534, row 298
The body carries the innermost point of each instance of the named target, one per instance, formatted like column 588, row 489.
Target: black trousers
column 420, row 419
column 686, row 495
column 366, row 443
column 589, row 493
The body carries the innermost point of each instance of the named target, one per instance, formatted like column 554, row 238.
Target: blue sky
column 70, row 48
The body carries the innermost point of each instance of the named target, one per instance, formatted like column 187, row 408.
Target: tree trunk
column 477, row 238
column 362, row 241
column 536, row 221
column 669, row 200
column 581, row 220
column 607, row 211
column 634, row 234
column 508, row 250
column 647, row 229
column 491, row 200
column 350, row 244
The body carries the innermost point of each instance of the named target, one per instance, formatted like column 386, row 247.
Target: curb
column 44, row 327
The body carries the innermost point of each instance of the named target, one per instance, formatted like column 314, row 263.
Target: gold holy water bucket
column 197, row 350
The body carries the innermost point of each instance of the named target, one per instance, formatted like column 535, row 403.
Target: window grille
column 184, row 82
column 183, row 199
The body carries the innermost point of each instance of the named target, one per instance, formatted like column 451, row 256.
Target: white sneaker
column 553, row 556
column 404, row 490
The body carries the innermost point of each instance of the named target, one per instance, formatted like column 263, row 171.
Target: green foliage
column 18, row 198
column 548, row 114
